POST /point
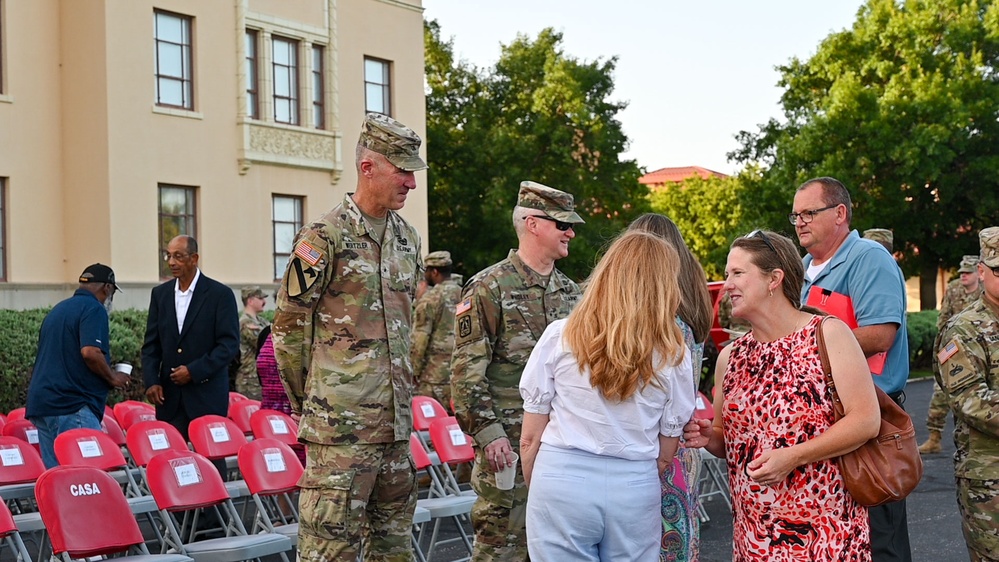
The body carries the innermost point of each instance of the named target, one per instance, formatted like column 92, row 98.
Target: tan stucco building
column 124, row 122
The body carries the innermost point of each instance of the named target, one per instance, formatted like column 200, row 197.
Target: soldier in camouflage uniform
column 433, row 328
column 960, row 293
column 250, row 325
column 882, row 236
column 341, row 339
column 504, row 310
column 969, row 375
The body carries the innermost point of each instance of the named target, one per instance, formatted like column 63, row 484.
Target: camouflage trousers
column 355, row 492
column 499, row 517
column 439, row 392
column 978, row 501
column 936, row 417
column 249, row 385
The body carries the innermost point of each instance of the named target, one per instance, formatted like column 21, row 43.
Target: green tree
column 538, row 114
column 902, row 109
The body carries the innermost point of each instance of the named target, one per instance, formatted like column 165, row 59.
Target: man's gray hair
column 520, row 214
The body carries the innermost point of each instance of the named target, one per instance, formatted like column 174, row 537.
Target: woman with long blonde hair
column 606, row 394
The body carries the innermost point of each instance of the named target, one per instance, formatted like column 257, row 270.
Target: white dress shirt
column 182, row 299
column 581, row 418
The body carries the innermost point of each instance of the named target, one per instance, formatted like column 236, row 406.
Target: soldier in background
column 341, row 338
column 969, row 375
column 250, row 325
column 959, row 294
column 433, row 328
column 504, row 310
column 881, row 235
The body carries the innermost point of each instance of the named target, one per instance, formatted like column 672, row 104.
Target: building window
column 318, row 92
column 1, row 48
column 173, row 60
column 3, row 229
column 285, row 63
column 252, row 80
column 287, row 221
column 176, row 216
column 376, row 86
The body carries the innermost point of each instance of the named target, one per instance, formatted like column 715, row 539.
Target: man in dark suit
column 192, row 334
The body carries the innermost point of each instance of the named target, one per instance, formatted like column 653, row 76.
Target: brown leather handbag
column 886, row 468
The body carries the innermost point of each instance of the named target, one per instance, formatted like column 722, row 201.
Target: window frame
column 189, row 218
column 3, row 229
column 318, row 72
column 186, row 77
column 293, row 68
column 297, row 223
column 252, row 60
column 385, row 86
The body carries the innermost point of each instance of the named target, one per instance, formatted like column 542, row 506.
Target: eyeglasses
column 807, row 216
column 994, row 270
column 167, row 256
column 563, row 226
column 766, row 240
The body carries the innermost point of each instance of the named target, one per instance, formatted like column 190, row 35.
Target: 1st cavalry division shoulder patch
column 302, row 273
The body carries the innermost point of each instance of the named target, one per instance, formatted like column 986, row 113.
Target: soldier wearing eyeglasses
column 862, row 275
column 503, row 311
column 969, row 375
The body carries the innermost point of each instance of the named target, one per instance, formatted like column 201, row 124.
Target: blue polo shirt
column 864, row 271
column 61, row 383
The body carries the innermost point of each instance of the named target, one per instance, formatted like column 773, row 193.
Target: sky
column 694, row 72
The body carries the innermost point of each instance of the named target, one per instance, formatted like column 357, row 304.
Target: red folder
column 841, row 306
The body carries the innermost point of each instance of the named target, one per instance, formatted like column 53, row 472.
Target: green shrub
column 922, row 332
column 19, row 344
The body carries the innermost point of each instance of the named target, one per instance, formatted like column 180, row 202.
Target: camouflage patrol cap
column 882, row 235
column 989, row 240
column 250, row 291
column 556, row 204
column 969, row 264
column 440, row 258
column 393, row 140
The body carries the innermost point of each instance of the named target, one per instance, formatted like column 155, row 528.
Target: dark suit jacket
column 206, row 345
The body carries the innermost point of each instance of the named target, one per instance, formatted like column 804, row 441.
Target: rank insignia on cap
column 947, row 352
column 308, row 252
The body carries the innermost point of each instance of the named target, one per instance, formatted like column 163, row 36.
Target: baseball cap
column 99, row 273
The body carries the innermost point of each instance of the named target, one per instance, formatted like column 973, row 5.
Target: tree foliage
column 903, row 109
column 538, row 114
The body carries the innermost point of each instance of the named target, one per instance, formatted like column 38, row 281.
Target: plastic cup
column 506, row 476
column 123, row 368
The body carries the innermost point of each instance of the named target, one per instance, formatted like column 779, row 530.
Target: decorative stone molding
column 293, row 147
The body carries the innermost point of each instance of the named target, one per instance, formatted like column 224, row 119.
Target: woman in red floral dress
column 774, row 420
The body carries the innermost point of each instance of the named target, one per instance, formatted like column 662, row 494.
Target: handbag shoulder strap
column 827, row 369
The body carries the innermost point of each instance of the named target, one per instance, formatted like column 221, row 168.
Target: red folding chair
column 272, row 424
column 10, row 534
column 23, row 430
column 87, row 515
column 149, row 438
column 15, row 414
column 236, row 397
column 186, row 482
column 240, row 412
column 425, row 410
column 90, row 447
column 219, row 438
column 20, row 465
column 113, row 430
column 121, row 408
column 132, row 416
column 453, row 447
column 272, row 471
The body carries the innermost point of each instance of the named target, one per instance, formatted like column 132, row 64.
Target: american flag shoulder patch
column 947, row 351
column 308, row 252
column 463, row 306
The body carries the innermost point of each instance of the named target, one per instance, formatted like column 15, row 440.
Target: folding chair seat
column 11, row 536
column 87, row 515
column 23, row 430
column 272, row 471
column 219, row 438
column 186, row 482
column 240, row 412
column 272, row 424
column 16, row 414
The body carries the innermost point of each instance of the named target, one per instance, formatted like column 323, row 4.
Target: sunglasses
column 563, row 226
column 766, row 240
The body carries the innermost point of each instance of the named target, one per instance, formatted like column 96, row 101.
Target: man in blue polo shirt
column 859, row 281
column 72, row 373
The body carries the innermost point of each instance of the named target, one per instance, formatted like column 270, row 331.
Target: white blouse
column 581, row 418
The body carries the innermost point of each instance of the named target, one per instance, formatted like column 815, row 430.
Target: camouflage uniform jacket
column 955, row 300
column 341, row 329
column 249, row 329
column 504, row 310
column 969, row 374
column 433, row 332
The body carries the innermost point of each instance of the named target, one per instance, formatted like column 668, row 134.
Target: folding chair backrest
column 272, row 424
column 180, row 481
column 88, row 447
column 109, row 412
column 236, row 397
column 269, row 467
column 85, row 512
column 420, row 457
column 125, row 420
column 15, row 414
column 425, row 410
column 215, row 437
column 23, row 430
column 19, row 462
column 7, row 525
column 132, row 416
column 450, row 442
column 240, row 413
column 149, row 438
column 113, row 430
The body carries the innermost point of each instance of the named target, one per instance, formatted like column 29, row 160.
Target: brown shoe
column 932, row 445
